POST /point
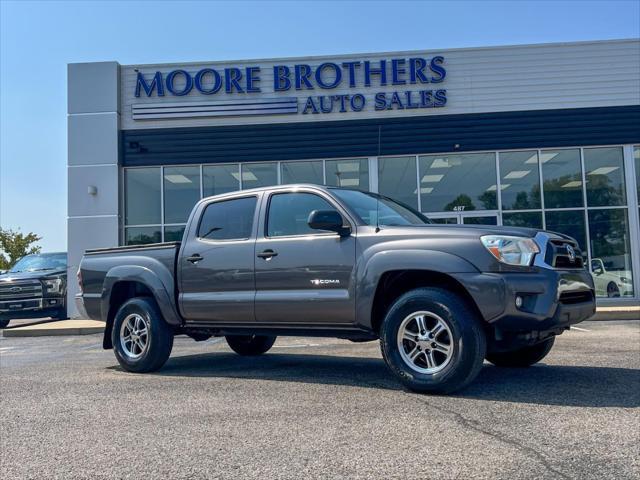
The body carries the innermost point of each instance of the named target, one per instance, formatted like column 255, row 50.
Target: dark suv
column 35, row 287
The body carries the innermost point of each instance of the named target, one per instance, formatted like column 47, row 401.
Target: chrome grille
column 558, row 252
column 20, row 289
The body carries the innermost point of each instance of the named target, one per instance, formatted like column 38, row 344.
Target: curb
column 60, row 328
column 617, row 313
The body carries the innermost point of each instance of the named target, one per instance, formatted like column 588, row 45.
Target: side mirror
column 328, row 220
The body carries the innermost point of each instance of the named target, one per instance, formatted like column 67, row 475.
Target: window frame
column 346, row 220
column 206, row 205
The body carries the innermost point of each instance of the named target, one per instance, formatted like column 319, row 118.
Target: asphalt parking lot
column 317, row 408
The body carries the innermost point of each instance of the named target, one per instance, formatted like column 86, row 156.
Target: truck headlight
column 511, row 250
column 53, row 285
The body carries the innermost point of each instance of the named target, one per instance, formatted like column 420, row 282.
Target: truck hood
column 33, row 275
column 467, row 230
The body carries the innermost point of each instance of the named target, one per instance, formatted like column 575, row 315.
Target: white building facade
column 545, row 136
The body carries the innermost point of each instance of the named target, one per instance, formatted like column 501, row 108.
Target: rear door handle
column 267, row 254
column 195, row 258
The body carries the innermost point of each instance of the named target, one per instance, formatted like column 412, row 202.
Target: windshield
column 368, row 206
column 37, row 262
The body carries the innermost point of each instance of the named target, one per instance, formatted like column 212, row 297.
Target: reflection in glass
column 397, row 179
column 142, row 196
column 256, row 175
column 562, row 178
column 523, row 219
column 142, row 235
column 490, row 220
column 520, row 180
column 218, row 179
column 443, row 177
column 348, row 173
column 610, row 253
column 173, row 233
column 570, row 223
column 302, row 172
column 604, row 170
column 181, row 192
column 445, row 220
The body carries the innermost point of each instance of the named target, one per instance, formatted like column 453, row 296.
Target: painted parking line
column 580, row 329
column 297, row 346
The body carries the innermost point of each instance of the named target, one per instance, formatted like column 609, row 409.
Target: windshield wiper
column 40, row 269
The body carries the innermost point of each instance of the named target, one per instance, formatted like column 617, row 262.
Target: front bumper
column 31, row 307
column 551, row 299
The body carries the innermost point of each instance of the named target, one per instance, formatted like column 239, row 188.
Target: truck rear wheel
column 432, row 340
column 522, row 357
column 249, row 345
column 142, row 340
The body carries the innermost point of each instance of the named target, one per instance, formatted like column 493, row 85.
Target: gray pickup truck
column 320, row 261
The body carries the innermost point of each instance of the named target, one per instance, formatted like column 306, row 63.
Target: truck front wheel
column 249, row 345
column 142, row 340
column 522, row 357
column 433, row 341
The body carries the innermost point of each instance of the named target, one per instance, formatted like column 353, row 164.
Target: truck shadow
column 579, row 386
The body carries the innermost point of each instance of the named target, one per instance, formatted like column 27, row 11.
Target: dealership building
column 544, row 136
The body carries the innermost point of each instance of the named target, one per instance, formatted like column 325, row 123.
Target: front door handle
column 195, row 258
column 268, row 254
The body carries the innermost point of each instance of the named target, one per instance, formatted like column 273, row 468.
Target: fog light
column 518, row 301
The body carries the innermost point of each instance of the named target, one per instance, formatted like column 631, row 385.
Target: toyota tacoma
column 321, row 261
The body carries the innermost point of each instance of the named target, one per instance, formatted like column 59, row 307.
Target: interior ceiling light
column 349, row 182
column 431, row 178
column 545, row 157
column 440, row 163
column 423, row 190
column 493, row 188
column 574, row 184
column 178, row 178
column 349, row 167
column 603, row 170
column 532, row 159
column 517, row 174
column 246, row 176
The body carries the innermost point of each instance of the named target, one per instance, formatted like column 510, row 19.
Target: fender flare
column 159, row 281
column 383, row 261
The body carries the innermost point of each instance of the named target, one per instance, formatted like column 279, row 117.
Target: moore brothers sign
column 243, row 83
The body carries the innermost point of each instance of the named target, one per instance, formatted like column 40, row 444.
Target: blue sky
column 38, row 39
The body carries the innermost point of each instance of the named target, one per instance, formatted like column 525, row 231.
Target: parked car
column 35, row 287
column 310, row 260
column 610, row 283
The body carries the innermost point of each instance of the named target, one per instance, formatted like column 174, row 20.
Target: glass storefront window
column 462, row 182
column 142, row 196
column 302, row 172
column 519, row 180
column 174, row 233
column 523, row 219
column 397, row 179
column 636, row 157
column 604, row 173
column 610, row 252
column 256, row 175
column 181, row 192
column 348, row 173
column 218, row 179
column 562, row 178
column 142, row 235
column 569, row 222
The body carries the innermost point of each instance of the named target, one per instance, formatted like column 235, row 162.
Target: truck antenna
column 377, row 213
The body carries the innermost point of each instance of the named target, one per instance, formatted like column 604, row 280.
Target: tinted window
column 289, row 212
column 228, row 220
column 397, row 178
column 142, row 196
column 370, row 206
column 519, row 180
column 181, row 192
column 348, row 173
column 562, row 177
column 302, row 172
column 604, row 170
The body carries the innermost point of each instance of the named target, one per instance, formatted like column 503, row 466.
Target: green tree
column 15, row 245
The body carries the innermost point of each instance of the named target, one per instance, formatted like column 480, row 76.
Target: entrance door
column 301, row 270
column 465, row 218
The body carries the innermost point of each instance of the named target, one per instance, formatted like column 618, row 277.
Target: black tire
column 468, row 342
column 4, row 321
column 522, row 357
column 612, row 290
column 61, row 314
column 249, row 345
column 159, row 340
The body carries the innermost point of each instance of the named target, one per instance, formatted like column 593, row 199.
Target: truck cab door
column 216, row 262
column 303, row 276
